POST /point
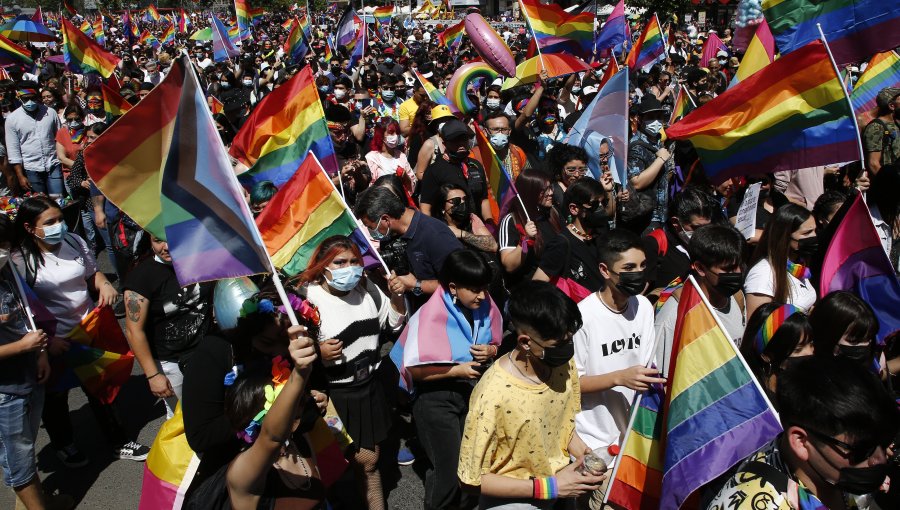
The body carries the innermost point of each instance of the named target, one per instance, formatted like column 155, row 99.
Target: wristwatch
column 417, row 289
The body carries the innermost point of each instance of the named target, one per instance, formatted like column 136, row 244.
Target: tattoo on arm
column 483, row 243
column 133, row 303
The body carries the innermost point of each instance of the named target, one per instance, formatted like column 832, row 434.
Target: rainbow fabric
column 440, row 333
column 435, row 94
column 648, row 48
column 855, row 261
column 288, row 24
column 164, row 165
column 182, row 21
column 327, row 54
column 771, row 325
column 798, row 271
column 223, row 48
column 712, row 46
column 168, row 35
column 304, row 25
column 283, row 127
column 170, row 467
column 153, row 13
column 216, row 107
column 12, row 53
column 683, row 104
column 86, row 28
column 98, row 358
column 557, row 31
column 451, row 38
column 129, row 28
column 883, row 71
column 83, row 55
column 714, row 414
column 306, row 210
column 384, row 14
column 760, row 53
column 402, row 49
column 147, row 38
column 99, row 32
column 244, row 20
column 113, row 102
column 500, row 182
column 791, row 114
column 295, row 47
column 854, row 29
column 256, row 15
column 613, row 31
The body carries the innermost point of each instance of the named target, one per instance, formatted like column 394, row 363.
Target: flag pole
column 730, row 343
column 29, row 314
column 846, row 95
column 508, row 176
column 534, row 34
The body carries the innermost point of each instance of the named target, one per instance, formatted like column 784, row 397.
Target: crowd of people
column 514, row 343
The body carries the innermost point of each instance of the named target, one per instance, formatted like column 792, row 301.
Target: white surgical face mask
column 499, row 140
column 576, row 90
column 340, row 94
column 654, row 127
column 492, row 103
column 392, row 140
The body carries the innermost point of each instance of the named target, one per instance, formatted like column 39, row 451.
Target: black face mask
column 859, row 481
column 861, row 354
column 729, row 283
column 793, row 361
column 460, row 212
column 596, row 219
column 559, row 355
column 631, row 283
column 808, row 246
column 457, row 157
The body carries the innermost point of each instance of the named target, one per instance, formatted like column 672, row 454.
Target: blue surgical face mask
column 388, row 95
column 344, row 279
column 30, row 105
column 54, row 234
column 499, row 140
column 389, row 61
column 376, row 234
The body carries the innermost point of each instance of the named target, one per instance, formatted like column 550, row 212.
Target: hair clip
column 231, row 376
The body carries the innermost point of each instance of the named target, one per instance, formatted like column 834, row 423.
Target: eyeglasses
column 853, row 453
column 575, row 170
column 499, row 131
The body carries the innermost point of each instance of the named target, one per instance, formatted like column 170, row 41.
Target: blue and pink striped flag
column 440, row 333
column 223, row 48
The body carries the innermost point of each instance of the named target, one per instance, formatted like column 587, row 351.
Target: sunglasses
column 853, row 453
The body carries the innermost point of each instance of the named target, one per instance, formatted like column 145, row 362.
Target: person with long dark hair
column 354, row 312
column 776, row 336
column 62, row 271
column 448, row 344
column 884, row 207
column 779, row 272
column 845, row 326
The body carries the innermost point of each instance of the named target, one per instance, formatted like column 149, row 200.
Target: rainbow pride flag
column 98, row 358
column 306, row 210
column 168, row 35
column 223, row 48
column 283, row 127
column 500, row 182
column 683, row 104
column 760, row 53
column 12, row 53
column 113, row 103
column 147, row 38
column 304, row 25
column 216, row 106
column 435, row 94
column 327, row 54
column 288, row 24
column 883, row 71
column 99, row 32
column 714, row 414
column 855, row 261
column 558, row 31
column 648, row 48
column 129, row 28
column 83, row 55
column 613, row 31
column 164, row 165
column 854, row 29
column 86, row 28
column 256, row 15
column 791, row 114
column 244, row 20
column 402, row 49
column 296, row 47
column 152, row 13
column 182, row 21
column 451, row 38
column 711, row 47
column 384, row 14
column 170, row 467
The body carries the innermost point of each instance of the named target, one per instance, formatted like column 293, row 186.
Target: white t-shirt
column 761, row 280
column 605, row 343
column 733, row 319
column 61, row 283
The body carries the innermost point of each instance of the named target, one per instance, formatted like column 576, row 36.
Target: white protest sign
column 746, row 216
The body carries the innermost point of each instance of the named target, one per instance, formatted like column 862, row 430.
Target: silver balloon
column 229, row 297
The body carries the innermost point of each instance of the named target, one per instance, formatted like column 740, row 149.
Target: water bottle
column 600, row 459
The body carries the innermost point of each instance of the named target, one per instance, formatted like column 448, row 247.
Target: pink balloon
column 490, row 45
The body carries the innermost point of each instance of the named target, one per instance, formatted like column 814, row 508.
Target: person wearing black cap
column 649, row 167
column 346, row 137
column 455, row 166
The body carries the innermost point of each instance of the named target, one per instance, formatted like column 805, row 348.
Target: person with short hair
column 519, row 433
column 31, row 143
column 716, row 258
column 614, row 346
column 881, row 136
column 838, row 421
column 260, row 195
